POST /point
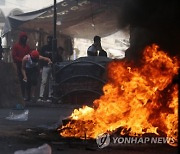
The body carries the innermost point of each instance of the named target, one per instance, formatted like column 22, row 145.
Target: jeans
column 46, row 78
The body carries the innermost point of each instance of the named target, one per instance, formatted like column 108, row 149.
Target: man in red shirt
column 19, row 50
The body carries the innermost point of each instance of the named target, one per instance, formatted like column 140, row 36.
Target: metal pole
column 54, row 33
column 54, row 47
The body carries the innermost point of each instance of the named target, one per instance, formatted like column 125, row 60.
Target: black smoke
column 150, row 21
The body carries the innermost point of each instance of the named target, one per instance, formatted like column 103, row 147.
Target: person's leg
column 28, row 84
column 50, row 84
column 50, row 90
column 45, row 72
column 34, row 82
column 33, row 91
column 33, row 86
column 20, row 77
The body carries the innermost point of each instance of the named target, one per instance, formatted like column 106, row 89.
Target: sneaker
column 49, row 100
column 27, row 99
column 40, row 100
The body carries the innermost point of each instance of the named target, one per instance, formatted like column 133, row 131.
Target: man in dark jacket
column 46, row 51
column 19, row 50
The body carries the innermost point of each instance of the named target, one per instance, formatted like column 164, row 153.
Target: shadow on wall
column 10, row 93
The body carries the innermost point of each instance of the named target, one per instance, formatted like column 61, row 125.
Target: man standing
column 95, row 47
column 19, row 50
column 46, row 51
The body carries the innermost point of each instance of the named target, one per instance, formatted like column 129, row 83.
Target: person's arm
column 45, row 59
column 23, row 68
column 99, row 47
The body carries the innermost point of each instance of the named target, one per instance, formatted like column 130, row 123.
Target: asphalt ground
column 40, row 128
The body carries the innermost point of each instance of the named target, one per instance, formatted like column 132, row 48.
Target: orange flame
column 137, row 99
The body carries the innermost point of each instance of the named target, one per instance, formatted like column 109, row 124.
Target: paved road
column 11, row 132
column 40, row 129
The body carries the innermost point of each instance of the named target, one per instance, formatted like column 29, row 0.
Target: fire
column 136, row 100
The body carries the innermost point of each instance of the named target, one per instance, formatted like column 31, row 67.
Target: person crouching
column 30, row 71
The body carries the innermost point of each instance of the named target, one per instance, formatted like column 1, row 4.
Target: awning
column 14, row 21
column 76, row 18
